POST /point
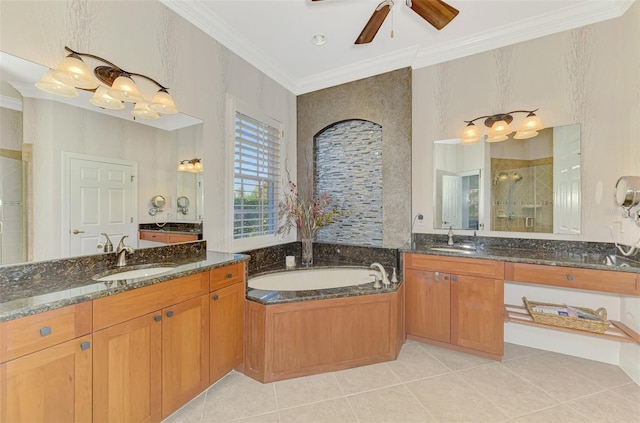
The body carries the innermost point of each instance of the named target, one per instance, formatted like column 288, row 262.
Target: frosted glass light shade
column 52, row 86
column 526, row 134
column 142, row 110
column 182, row 167
column 72, row 71
column 499, row 128
column 163, row 103
column 531, row 123
column 496, row 138
column 123, row 88
column 470, row 135
column 102, row 99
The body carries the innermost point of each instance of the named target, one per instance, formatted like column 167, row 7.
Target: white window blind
column 257, row 186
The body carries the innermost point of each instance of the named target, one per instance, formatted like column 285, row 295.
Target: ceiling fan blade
column 375, row 22
column 436, row 12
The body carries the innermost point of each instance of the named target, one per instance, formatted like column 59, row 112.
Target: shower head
column 515, row 177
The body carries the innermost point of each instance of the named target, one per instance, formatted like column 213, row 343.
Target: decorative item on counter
column 290, row 262
column 307, row 215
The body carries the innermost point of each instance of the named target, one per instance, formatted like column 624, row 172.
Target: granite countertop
column 281, row 297
column 553, row 257
column 27, row 294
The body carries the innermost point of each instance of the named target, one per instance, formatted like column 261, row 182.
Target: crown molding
column 219, row 30
column 524, row 30
column 363, row 69
column 571, row 17
column 10, row 103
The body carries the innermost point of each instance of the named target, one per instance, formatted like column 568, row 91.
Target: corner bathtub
column 305, row 322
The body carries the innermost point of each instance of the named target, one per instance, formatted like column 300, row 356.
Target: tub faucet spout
column 380, row 268
column 121, row 252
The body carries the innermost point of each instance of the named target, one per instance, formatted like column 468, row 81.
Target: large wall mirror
column 529, row 186
column 43, row 139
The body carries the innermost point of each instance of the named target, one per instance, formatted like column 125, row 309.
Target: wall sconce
column 500, row 129
column 157, row 203
column 193, row 166
column 112, row 86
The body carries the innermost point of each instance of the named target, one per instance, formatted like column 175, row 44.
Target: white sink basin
column 135, row 273
column 452, row 250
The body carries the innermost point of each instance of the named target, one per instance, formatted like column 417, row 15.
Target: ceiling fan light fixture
column 319, row 39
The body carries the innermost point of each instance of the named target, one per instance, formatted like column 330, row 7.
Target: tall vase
column 307, row 252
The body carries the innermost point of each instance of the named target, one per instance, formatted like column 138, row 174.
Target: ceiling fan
column 436, row 12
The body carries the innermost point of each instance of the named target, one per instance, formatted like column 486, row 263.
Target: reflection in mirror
column 532, row 185
column 457, row 184
column 38, row 132
column 189, row 187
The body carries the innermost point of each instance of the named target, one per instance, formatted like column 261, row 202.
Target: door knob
column 76, row 232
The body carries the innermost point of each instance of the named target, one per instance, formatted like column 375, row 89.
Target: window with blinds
column 257, row 189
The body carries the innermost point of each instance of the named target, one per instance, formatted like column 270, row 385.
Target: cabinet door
column 427, row 302
column 477, row 313
column 52, row 385
column 185, row 352
column 127, row 366
column 227, row 323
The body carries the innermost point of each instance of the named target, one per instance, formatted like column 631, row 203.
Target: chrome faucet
column 385, row 277
column 450, row 234
column 121, row 252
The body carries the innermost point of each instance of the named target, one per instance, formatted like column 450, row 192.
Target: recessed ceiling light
column 319, row 39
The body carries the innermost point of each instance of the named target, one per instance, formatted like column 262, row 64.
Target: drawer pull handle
column 446, row 278
column 45, row 331
column 157, row 318
column 569, row 277
column 229, row 275
column 215, row 297
column 454, row 278
column 85, row 345
column 169, row 313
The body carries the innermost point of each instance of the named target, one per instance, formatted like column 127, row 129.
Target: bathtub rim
column 268, row 297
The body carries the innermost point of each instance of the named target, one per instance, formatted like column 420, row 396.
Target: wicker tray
column 598, row 326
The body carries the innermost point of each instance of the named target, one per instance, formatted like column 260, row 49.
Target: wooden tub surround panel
column 299, row 339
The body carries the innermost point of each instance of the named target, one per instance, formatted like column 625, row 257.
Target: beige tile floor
column 430, row 384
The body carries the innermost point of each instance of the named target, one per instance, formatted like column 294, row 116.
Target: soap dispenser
column 450, row 234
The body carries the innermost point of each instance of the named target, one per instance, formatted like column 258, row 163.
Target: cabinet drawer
column 174, row 238
column 153, row 236
column 569, row 277
column 225, row 276
column 459, row 266
column 33, row 333
column 118, row 308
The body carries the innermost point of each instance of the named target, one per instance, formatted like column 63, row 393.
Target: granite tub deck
column 37, row 287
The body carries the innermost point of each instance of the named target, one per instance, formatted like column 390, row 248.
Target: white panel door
column 100, row 200
column 451, row 201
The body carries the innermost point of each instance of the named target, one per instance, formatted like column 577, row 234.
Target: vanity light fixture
column 193, row 166
column 112, row 86
column 499, row 124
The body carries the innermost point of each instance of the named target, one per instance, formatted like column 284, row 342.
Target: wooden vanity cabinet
column 167, row 238
column 227, row 295
column 455, row 302
column 46, row 369
column 151, row 352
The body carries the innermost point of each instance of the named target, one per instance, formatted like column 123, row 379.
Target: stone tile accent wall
column 348, row 167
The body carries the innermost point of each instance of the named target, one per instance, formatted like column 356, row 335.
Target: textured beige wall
column 589, row 76
column 383, row 99
column 151, row 39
